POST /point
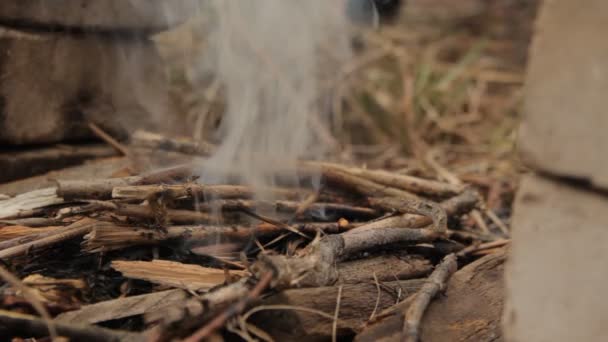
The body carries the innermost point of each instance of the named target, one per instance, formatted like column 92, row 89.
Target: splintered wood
column 175, row 258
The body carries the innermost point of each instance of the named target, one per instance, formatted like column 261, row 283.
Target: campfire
column 309, row 199
column 194, row 257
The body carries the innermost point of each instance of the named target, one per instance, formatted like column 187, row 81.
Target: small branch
column 435, row 283
column 120, row 148
column 143, row 192
column 403, row 182
column 102, row 188
column 155, row 141
column 482, row 247
column 113, row 237
column 292, row 207
column 414, row 206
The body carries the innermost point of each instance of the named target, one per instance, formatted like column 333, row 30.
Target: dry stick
column 395, row 180
column 373, row 315
column 143, row 192
column 497, row 221
column 306, row 204
column 276, row 223
column 315, row 264
column 26, row 325
column 451, row 178
column 174, row 216
column 120, row 148
column 220, row 319
column 436, row 282
column 107, row 238
column 156, row 141
column 76, row 229
column 334, row 326
column 405, row 202
column 171, row 273
column 290, row 207
column 481, row 247
column 102, row 188
column 31, row 297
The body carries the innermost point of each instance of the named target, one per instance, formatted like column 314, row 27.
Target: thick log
column 555, row 276
column 91, row 15
column 357, row 304
column 53, row 84
column 470, row 310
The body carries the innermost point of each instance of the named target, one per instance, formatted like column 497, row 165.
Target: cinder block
column 557, row 271
column 52, row 84
column 98, row 15
column 563, row 130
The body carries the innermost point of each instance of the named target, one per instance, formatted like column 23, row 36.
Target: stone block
column 556, row 274
column 563, row 130
column 96, row 15
column 52, row 84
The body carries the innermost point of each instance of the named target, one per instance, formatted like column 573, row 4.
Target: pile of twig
column 195, row 260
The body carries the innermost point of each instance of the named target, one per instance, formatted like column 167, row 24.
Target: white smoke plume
column 270, row 56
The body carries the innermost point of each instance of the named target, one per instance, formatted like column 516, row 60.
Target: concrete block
column 52, row 84
column 563, row 131
column 557, row 271
column 104, row 15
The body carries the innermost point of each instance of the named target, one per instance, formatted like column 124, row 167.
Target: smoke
column 271, row 56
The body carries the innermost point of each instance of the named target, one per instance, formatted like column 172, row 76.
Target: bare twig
column 142, row 192
column 435, row 283
column 220, row 319
column 156, row 141
column 334, row 326
column 120, row 148
column 482, row 247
